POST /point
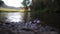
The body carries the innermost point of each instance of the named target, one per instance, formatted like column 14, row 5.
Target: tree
column 45, row 6
column 26, row 4
column 47, row 10
column 1, row 2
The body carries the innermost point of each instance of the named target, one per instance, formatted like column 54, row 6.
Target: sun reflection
column 14, row 17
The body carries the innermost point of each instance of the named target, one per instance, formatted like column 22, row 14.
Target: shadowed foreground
column 21, row 28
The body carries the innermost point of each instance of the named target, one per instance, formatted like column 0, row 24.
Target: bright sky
column 13, row 3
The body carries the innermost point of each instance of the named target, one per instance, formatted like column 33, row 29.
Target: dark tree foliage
column 1, row 2
column 47, row 10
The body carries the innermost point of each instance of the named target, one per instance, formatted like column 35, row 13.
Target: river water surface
column 11, row 16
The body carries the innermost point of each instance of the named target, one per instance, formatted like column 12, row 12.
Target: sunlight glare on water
column 14, row 17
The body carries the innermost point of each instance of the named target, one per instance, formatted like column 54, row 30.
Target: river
column 12, row 16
